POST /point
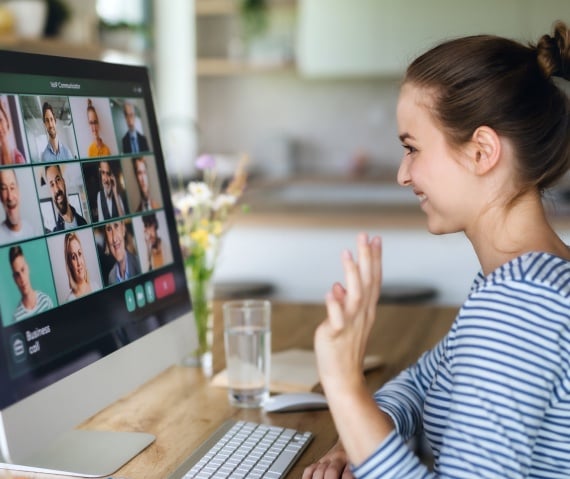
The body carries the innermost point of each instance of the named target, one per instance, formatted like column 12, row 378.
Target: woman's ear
column 486, row 150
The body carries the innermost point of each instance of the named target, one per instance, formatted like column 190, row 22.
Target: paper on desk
column 295, row 370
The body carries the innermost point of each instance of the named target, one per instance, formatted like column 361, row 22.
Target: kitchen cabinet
column 224, row 49
column 380, row 37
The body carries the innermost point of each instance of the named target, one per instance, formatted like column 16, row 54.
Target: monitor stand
column 84, row 453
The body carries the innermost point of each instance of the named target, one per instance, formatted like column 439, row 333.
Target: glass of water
column 247, row 341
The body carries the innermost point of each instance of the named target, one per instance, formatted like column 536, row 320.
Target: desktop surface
column 182, row 409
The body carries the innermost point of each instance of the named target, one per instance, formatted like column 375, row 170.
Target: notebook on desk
column 295, row 370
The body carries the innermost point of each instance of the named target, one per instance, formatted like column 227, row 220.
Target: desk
column 182, row 409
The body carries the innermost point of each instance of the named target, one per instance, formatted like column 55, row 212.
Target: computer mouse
column 289, row 402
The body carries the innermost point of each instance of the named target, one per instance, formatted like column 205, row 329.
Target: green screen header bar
column 48, row 85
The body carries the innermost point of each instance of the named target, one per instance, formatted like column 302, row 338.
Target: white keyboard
column 242, row 449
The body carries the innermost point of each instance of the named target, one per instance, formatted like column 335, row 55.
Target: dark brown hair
column 493, row 81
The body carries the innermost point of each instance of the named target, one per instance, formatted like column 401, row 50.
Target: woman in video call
column 486, row 130
column 76, row 268
column 9, row 153
column 98, row 147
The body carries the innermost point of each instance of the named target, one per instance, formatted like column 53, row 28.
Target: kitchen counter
column 294, row 233
column 338, row 202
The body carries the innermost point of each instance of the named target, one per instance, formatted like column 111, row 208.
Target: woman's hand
column 340, row 340
column 340, row 345
column 333, row 465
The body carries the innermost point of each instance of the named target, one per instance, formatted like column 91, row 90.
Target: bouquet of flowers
column 202, row 215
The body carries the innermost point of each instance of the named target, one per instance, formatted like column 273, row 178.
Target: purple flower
column 206, row 162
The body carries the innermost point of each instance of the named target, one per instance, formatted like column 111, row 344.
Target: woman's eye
column 409, row 149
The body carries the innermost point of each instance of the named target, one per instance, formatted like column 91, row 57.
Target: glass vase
column 202, row 296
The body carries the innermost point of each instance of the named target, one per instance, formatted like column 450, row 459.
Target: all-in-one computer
column 93, row 299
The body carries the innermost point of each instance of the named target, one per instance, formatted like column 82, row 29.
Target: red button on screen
column 164, row 285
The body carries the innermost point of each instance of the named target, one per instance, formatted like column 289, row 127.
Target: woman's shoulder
column 533, row 273
column 528, row 298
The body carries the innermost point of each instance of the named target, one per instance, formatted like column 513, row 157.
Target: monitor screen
column 89, row 258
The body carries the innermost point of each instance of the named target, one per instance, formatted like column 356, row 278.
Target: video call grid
column 127, row 184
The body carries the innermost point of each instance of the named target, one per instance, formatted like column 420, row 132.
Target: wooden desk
column 182, row 409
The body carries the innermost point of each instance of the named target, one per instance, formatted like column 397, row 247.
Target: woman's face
column 431, row 167
column 76, row 261
column 4, row 127
column 93, row 123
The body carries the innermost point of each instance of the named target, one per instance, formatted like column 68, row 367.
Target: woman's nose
column 404, row 173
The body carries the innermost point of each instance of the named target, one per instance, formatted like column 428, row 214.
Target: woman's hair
column 489, row 80
column 91, row 107
column 69, row 237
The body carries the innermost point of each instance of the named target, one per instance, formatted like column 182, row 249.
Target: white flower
column 200, row 191
column 185, row 203
column 223, row 201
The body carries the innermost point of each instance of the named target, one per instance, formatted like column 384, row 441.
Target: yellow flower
column 217, row 228
column 200, row 237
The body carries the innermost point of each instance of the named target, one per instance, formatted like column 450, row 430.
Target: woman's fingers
column 335, row 313
column 375, row 272
column 353, row 285
column 339, row 292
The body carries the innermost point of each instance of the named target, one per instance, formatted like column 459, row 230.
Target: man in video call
column 126, row 264
column 55, row 150
column 32, row 301
column 153, row 241
column 133, row 141
column 110, row 203
column 140, row 167
column 67, row 217
column 14, row 227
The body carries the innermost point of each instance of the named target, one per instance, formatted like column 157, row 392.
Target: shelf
column 51, row 47
column 229, row 7
column 225, row 67
column 215, row 7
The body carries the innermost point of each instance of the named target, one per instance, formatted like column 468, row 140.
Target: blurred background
column 307, row 89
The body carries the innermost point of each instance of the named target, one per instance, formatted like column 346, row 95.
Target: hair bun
column 553, row 52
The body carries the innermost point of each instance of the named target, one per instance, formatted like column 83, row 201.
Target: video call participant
column 153, row 242
column 133, row 141
column 55, row 150
column 76, row 267
column 9, row 153
column 141, row 172
column 110, row 202
column 126, row 264
column 14, row 227
column 67, row 217
column 98, row 147
column 32, row 301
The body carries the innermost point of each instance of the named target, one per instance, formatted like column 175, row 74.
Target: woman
column 98, row 147
column 9, row 153
column 76, row 268
column 485, row 131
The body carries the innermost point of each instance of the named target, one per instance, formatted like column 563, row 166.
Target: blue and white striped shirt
column 494, row 394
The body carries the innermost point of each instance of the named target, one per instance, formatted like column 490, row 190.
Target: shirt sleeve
column 402, row 398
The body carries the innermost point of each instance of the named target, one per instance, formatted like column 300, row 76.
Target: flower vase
column 202, row 296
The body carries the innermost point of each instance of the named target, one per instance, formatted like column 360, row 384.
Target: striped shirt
column 43, row 303
column 494, row 395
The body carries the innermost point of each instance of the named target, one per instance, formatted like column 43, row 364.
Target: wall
column 319, row 125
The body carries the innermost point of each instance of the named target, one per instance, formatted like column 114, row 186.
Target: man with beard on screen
column 67, row 217
column 55, row 150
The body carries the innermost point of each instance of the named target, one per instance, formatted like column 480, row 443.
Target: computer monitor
column 93, row 296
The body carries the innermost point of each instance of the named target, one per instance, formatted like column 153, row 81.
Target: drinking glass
column 247, row 341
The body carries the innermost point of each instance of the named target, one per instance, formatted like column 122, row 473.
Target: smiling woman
column 492, row 395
